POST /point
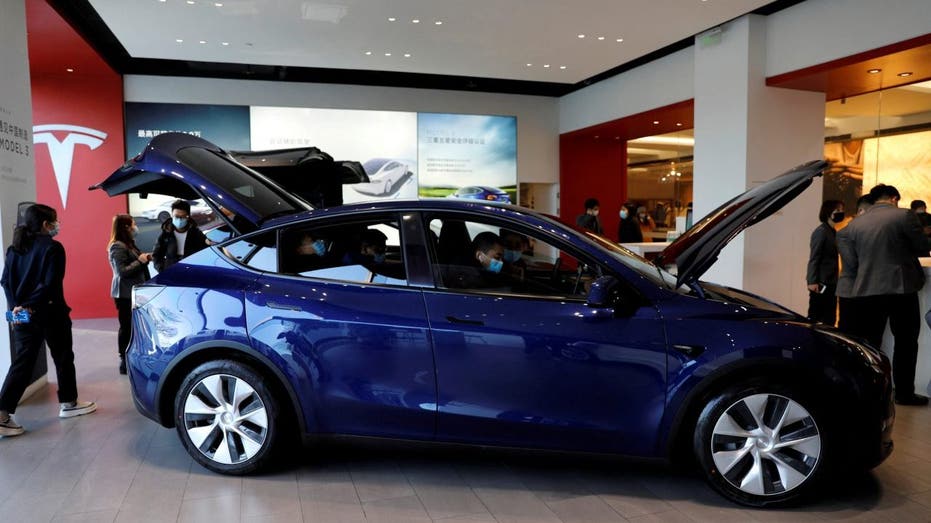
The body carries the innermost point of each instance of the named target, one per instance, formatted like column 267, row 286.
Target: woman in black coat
column 822, row 264
column 130, row 267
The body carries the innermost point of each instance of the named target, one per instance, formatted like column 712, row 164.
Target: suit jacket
column 127, row 270
column 822, row 262
column 879, row 253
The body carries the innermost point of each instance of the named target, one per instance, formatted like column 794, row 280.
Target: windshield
column 237, row 182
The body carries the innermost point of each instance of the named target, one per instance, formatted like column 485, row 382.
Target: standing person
column 846, row 304
column 589, row 219
column 921, row 210
column 880, row 252
column 628, row 231
column 822, row 264
column 646, row 224
column 130, row 267
column 33, row 278
column 180, row 237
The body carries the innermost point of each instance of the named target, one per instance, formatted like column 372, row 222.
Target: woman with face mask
column 33, row 281
column 822, row 264
column 130, row 267
column 628, row 230
column 180, row 237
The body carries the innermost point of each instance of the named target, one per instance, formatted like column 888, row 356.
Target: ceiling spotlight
column 438, row 22
column 190, row 2
column 601, row 38
column 546, row 66
column 529, row 65
column 562, row 67
column 180, row 41
column 679, row 124
column 392, row 19
column 415, row 21
column 163, row 1
column 655, row 122
column 581, row 36
column 224, row 43
column 906, row 74
column 70, row 70
column 619, row 40
column 387, row 54
column 874, row 71
column 217, row 4
column 203, row 41
column 407, row 55
column 368, row 53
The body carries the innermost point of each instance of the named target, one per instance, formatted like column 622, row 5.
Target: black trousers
column 823, row 307
column 867, row 316
column 125, row 314
column 53, row 327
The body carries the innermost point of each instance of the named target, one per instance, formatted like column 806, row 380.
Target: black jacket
column 165, row 253
column 822, row 262
column 590, row 222
column 35, row 279
column 628, row 231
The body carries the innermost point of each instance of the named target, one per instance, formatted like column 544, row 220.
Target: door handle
column 282, row 306
column 453, row 319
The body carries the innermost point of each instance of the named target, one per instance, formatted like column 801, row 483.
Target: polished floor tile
column 116, row 466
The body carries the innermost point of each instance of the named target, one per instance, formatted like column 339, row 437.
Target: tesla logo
column 62, row 152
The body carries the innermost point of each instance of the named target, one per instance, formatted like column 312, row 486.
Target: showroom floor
column 117, row 466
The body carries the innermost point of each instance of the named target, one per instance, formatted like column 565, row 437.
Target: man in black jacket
column 180, row 237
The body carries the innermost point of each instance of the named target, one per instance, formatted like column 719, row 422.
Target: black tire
column 226, row 406
column 163, row 216
column 778, row 464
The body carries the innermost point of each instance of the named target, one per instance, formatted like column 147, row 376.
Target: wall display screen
column 467, row 156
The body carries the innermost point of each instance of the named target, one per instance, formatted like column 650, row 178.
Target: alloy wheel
column 766, row 444
column 225, row 419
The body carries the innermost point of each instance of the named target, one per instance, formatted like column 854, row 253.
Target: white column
column 17, row 168
column 747, row 133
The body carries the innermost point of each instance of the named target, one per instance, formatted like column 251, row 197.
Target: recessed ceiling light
column 180, row 41
column 70, row 70
column 581, row 36
column 874, row 71
column 163, row 1
column 546, row 66
column 190, row 2
column 387, row 54
column 601, row 38
column 415, row 21
column 368, row 53
column 596, row 136
column 619, row 40
column 392, row 19
column 407, row 55
column 655, row 122
column 224, row 43
column 562, row 67
column 217, row 4
column 906, row 74
column 679, row 124
column 529, row 65
column 203, row 41
column 438, row 22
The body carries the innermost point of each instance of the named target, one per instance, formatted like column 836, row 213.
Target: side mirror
column 602, row 293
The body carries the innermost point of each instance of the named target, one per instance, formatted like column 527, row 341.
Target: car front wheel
column 762, row 445
column 225, row 416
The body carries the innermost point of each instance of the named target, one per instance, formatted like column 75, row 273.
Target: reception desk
column 923, row 369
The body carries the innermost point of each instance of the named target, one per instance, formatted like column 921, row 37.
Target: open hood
column 698, row 248
column 188, row 167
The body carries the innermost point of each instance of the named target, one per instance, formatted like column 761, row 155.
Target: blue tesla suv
column 462, row 321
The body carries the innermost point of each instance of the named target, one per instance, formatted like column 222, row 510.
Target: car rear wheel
column 763, row 445
column 226, row 417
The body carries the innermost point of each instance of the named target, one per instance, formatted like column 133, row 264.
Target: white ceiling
column 478, row 38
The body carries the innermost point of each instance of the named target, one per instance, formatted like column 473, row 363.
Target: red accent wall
column 91, row 96
column 592, row 168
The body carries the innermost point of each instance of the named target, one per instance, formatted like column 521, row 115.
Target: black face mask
column 837, row 217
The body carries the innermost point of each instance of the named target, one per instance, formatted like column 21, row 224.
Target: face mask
column 837, row 217
column 319, row 247
column 379, row 258
column 55, row 230
column 624, row 214
column 179, row 223
column 511, row 256
column 495, row 265
column 134, row 231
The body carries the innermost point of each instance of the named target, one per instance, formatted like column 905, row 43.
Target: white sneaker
column 76, row 408
column 10, row 428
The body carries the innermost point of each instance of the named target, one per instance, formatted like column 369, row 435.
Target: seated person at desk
column 483, row 270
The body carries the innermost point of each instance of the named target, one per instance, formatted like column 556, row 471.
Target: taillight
column 143, row 294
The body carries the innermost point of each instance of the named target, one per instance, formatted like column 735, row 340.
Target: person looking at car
column 589, row 219
column 822, row 264
column 879, row 252
column 130, row 267
column 628, row 230
column 33, row 281
column 180, row 237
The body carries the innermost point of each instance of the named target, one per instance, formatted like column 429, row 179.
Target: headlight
column 870, row 354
